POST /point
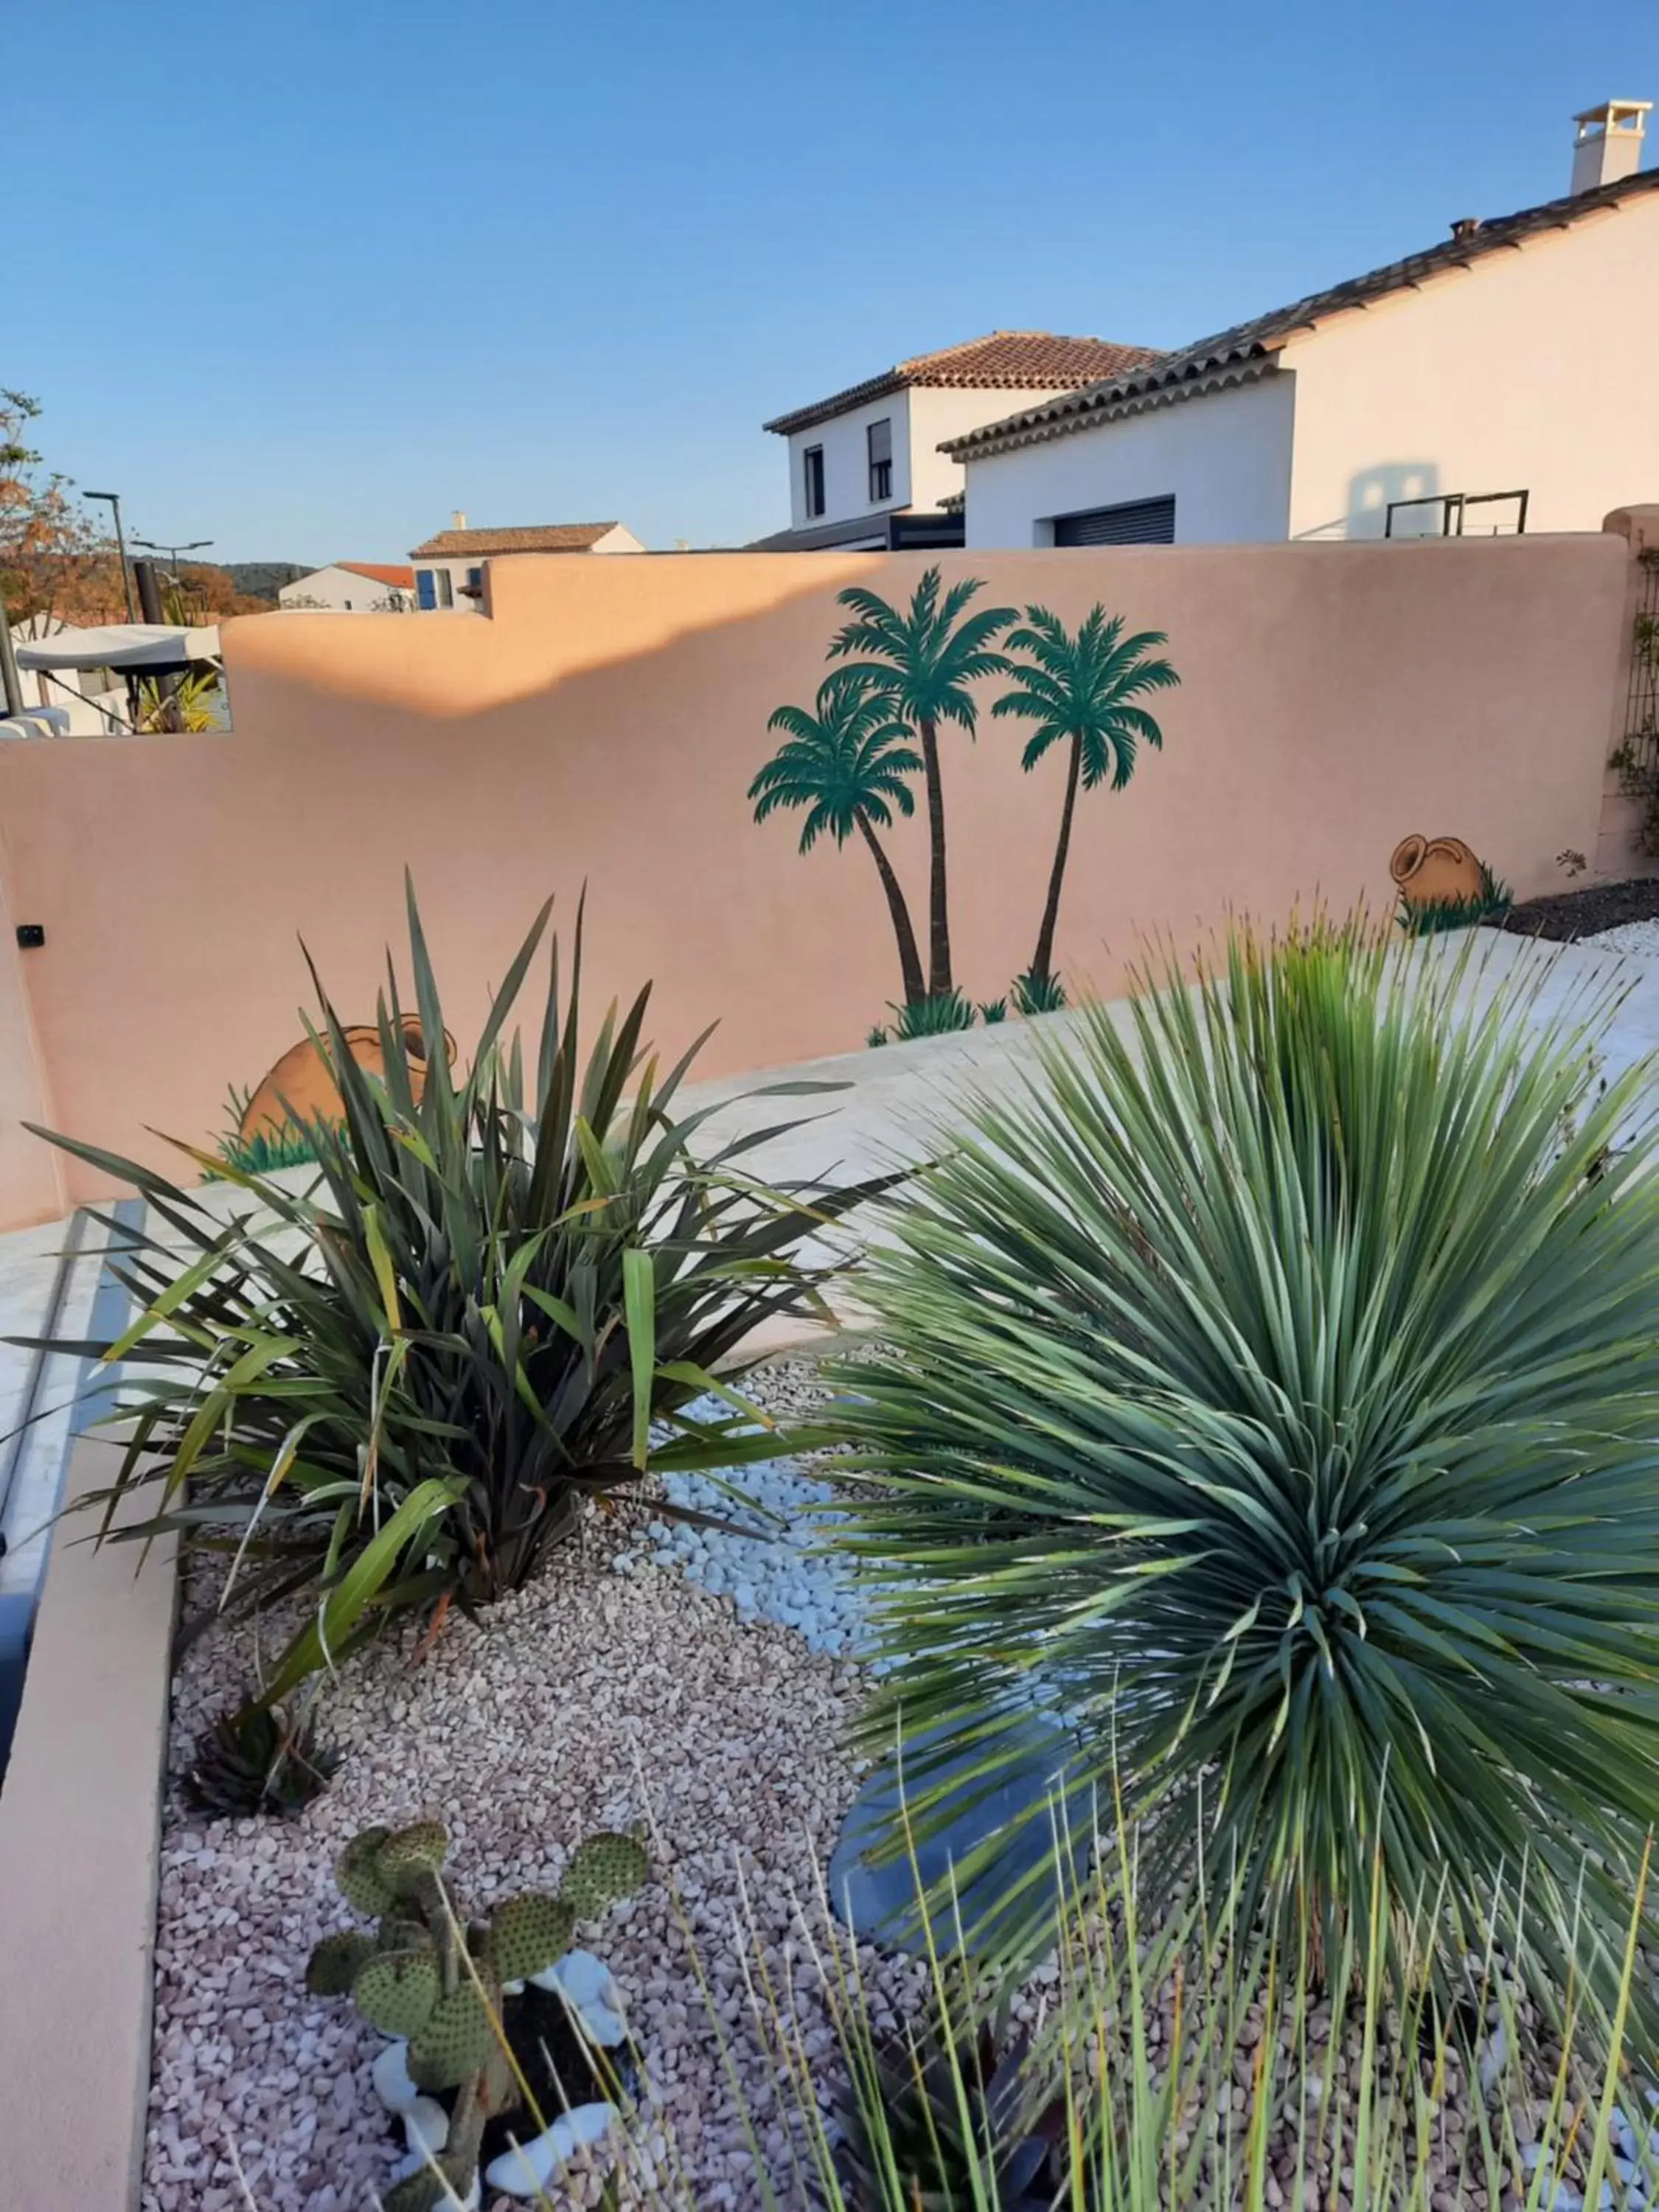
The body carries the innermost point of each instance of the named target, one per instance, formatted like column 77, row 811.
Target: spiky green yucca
column 399, row 1385
column 1278, row 1378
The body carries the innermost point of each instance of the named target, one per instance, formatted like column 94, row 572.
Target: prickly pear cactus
column 427, row 1976
column 602, row 1870
column 355, row 1872
column 397, row 1991
column 405, row 1859
column 454, row 2043
column 333, row 1967
column 527, row 1934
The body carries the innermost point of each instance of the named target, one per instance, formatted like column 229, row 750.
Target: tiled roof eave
column 1088, row 415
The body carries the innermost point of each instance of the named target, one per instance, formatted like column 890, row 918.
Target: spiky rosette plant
column 501, row 1296
column 425, row 1977
column 1276, row 1379
column 941, row 2118
column 259, row 1759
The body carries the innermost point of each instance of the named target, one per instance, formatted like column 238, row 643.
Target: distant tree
column 922, row 662
column 1082, row 692
column 845, row 764
column 56, row 564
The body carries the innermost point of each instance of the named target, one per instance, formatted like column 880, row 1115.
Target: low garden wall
column 602, row 723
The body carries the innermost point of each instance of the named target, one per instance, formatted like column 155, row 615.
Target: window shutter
column 1133, row 522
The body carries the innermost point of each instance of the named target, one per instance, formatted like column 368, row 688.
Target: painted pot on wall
column 1435, row 870
column 300, row 1087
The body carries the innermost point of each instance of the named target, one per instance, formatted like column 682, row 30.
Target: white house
column 449, row 568
column 1502, row 380
column 353, row 588
column 868, row 466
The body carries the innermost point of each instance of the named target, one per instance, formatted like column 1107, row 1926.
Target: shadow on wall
column 1370, row 493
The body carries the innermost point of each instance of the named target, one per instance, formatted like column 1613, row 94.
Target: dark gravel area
column 1570, row 915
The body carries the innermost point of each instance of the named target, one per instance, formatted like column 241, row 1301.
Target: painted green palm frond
column 922, row 659
column 845, row 756
column 1109, row 748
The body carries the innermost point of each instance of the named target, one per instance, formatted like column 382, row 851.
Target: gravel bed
column 593, row 1700
column 612, row 1690
column 1586, row 916
column 1637, row 937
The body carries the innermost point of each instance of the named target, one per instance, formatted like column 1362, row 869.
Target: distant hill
column 262, row 579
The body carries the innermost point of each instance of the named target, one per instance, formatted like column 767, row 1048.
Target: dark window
column 1134, row 522
column 812, row 462
column 475, row 580
column 880, row 437
column 347, row 606
column 445, row 588
column 426, row 591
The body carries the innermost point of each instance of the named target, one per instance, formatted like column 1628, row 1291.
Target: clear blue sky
column 302, row 277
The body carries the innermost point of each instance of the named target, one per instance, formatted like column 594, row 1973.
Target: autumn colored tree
column 57, row 565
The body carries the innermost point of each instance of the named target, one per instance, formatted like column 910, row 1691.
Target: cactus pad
column 397, row 1991
column 600, row 1871
column 454, row 2043
column 396, row 1933
column 528, row 1935
column 425, row 2192
column 355, row 1873
column 332, row 1966
column 405, row 1859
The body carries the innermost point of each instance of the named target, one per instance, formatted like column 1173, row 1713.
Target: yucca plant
column 1272, row 1386
column 399, row 1386
column 940, row 1015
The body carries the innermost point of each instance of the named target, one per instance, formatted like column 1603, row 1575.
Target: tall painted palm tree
column 848, row 764
column 922, row 662
column 1082, row 691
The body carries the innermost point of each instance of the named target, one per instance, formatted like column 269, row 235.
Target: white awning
column 122, row 645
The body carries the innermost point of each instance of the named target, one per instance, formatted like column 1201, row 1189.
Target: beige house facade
column 1507, row 377
column 450, row 569
column 870, row 469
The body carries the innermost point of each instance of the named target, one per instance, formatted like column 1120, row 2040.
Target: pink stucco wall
column 601, row 726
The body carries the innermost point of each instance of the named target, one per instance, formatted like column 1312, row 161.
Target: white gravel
column 1640, row 938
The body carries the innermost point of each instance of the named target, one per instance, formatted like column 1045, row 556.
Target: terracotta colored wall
column 604, row 724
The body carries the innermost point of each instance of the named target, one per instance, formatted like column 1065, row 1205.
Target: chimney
column 458, row 519
column 1608, row 143
column 1466, row 226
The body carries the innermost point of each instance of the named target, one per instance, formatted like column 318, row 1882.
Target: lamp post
column 195, row 545
column 115, row 500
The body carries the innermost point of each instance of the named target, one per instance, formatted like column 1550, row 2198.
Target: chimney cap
column 1465, row 225
column 458, row 518
column 1614, row 115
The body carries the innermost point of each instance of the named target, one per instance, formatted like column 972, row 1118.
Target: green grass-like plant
column 942, row 1016
column 1275, row 1381
column 1038, row 994
column 266, row 1150
column 399, row 1386
column 1426, row 917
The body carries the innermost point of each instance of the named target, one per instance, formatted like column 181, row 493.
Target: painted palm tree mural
column 921, row 662
column 1083, row 692
column 846, row 763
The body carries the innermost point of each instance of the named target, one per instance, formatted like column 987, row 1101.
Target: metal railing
column 1454, row 507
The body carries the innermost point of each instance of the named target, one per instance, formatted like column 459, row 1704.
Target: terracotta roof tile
column 534, row 537
column 1006, row 360
column 1245, row 351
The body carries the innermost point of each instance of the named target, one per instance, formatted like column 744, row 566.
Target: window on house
column 445, row 588
column 347, row 606
column 475, row 580
column 812, row 462
column 426, row 591
column 879, row 438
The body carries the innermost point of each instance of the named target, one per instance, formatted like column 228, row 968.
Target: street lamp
column 115, row 500
column 194, row 546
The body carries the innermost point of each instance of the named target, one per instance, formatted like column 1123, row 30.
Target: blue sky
column 302, row 277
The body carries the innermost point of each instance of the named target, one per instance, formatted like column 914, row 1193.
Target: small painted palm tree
column 1082, row 690
column 922, row 662
column 847, row 762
